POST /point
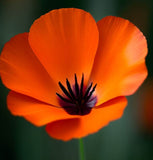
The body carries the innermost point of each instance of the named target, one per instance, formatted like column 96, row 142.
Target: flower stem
column 81, row 149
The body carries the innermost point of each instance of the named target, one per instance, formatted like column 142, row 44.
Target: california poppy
column 71, row 73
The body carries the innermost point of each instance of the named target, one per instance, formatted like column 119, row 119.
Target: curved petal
column 65, row 41
column 22, row 72
column 91, row 123
column 119, row 66
column 36, row 112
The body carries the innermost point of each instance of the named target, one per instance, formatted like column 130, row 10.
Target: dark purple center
column 78, row 100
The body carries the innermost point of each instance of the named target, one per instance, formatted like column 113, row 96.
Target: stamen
column 64, row 99
column 87, row 91
column 76, row 101
column 76, row 86
column 64, row 90
column 69, row 88
column 91, row 92
column 81, row 89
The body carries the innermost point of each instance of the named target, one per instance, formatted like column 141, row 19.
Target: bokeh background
column 131, row 137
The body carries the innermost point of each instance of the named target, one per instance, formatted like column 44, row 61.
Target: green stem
column 81, row 149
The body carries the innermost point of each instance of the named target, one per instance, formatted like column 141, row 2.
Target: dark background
column 128, row 138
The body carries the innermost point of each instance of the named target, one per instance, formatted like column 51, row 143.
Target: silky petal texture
column 119, row 66
column 91, row 123
column 36, row 112
column 65, row 41
column 22, row 72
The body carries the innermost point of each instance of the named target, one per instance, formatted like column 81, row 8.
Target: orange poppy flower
column 71, row 73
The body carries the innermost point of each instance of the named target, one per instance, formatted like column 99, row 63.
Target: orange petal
column 22, row 72
column 119, row 66
column 91, row 123
column 36, row 112
column 65, row 41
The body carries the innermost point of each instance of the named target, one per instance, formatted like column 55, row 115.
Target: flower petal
column 35, row 111
column 65, row 41
column 119, row 66
column 66, row 129
column 22, row 72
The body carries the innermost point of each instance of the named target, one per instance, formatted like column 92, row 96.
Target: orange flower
column 71, row 73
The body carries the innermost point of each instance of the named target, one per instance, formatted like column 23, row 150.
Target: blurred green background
column 124, row 139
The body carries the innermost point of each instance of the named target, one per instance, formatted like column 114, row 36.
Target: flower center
column 77, row 100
